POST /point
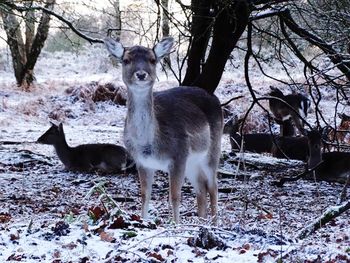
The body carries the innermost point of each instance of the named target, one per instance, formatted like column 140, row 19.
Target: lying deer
column 330, row 166
column 295, row 148
column 280, row 146
column 252, row 142
column 86, row 157
column 177, row 130
column 283, row 113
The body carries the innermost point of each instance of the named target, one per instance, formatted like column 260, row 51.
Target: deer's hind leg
column 210, row 169
column 201, row 188
column 212, row 189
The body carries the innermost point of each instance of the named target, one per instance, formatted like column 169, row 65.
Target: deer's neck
column 63, row 150
column 315, row 157
column 141, row 122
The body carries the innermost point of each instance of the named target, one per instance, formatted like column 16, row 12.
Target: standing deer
column 86, row 157
column 286, row 127
column 283, row 113
column 177, row 130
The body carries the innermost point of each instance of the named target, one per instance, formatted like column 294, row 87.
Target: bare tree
column 25, row 52
column 225, row 21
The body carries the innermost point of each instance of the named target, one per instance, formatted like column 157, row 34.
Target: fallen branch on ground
column 326, row 217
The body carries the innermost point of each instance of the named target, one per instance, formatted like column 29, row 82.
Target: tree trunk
column 165, row 27
column 30, row 27
column 15, row 42
column 25, row 54
column 118, row 21
column 202, row 20
column 37, row 45
column 229, row 24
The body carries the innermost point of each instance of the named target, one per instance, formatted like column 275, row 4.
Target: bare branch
column 59, row 17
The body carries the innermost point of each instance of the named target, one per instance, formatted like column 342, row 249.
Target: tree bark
column 229, row 25
column 25, row 54
column 202, row 21
column 15, row 42
column 231, row 19
column 165, row 26
column 118, row 21
column 30, row 27
column 37, row 45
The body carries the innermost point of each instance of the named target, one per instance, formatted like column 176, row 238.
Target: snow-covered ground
column 48, row 214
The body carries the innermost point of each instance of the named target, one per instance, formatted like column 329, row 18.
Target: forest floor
column 48, row 214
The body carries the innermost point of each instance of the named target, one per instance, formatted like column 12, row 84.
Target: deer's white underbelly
column 196, row 163
column 197, row 166
column 154, row 163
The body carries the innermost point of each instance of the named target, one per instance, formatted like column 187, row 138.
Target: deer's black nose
column 141, row 75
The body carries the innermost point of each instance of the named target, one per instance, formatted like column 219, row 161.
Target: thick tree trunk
column 25, row 54
column 15, row 42
column 202, row 20
column 231, row 19
column 30, row 27
column 230, row 24
column 37, row 45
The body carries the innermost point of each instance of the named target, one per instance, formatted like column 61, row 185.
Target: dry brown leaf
column 106, row 237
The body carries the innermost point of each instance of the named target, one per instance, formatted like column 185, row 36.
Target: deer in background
column 295, row 148
column 280, row 146
column 252, row 142
column 340, row 134
column 177, row 130
column 283, row 113
column 330, row 166
column 86, row 157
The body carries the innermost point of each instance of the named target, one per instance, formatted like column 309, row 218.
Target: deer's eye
column 126, row 61
column 153, row 61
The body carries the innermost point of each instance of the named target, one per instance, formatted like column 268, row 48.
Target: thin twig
column 232, row 99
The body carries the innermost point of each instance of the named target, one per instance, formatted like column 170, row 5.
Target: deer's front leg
column 176, row 180
column 146, row 180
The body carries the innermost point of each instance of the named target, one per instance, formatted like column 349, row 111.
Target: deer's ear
column 164, row 47
column 114, row 47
